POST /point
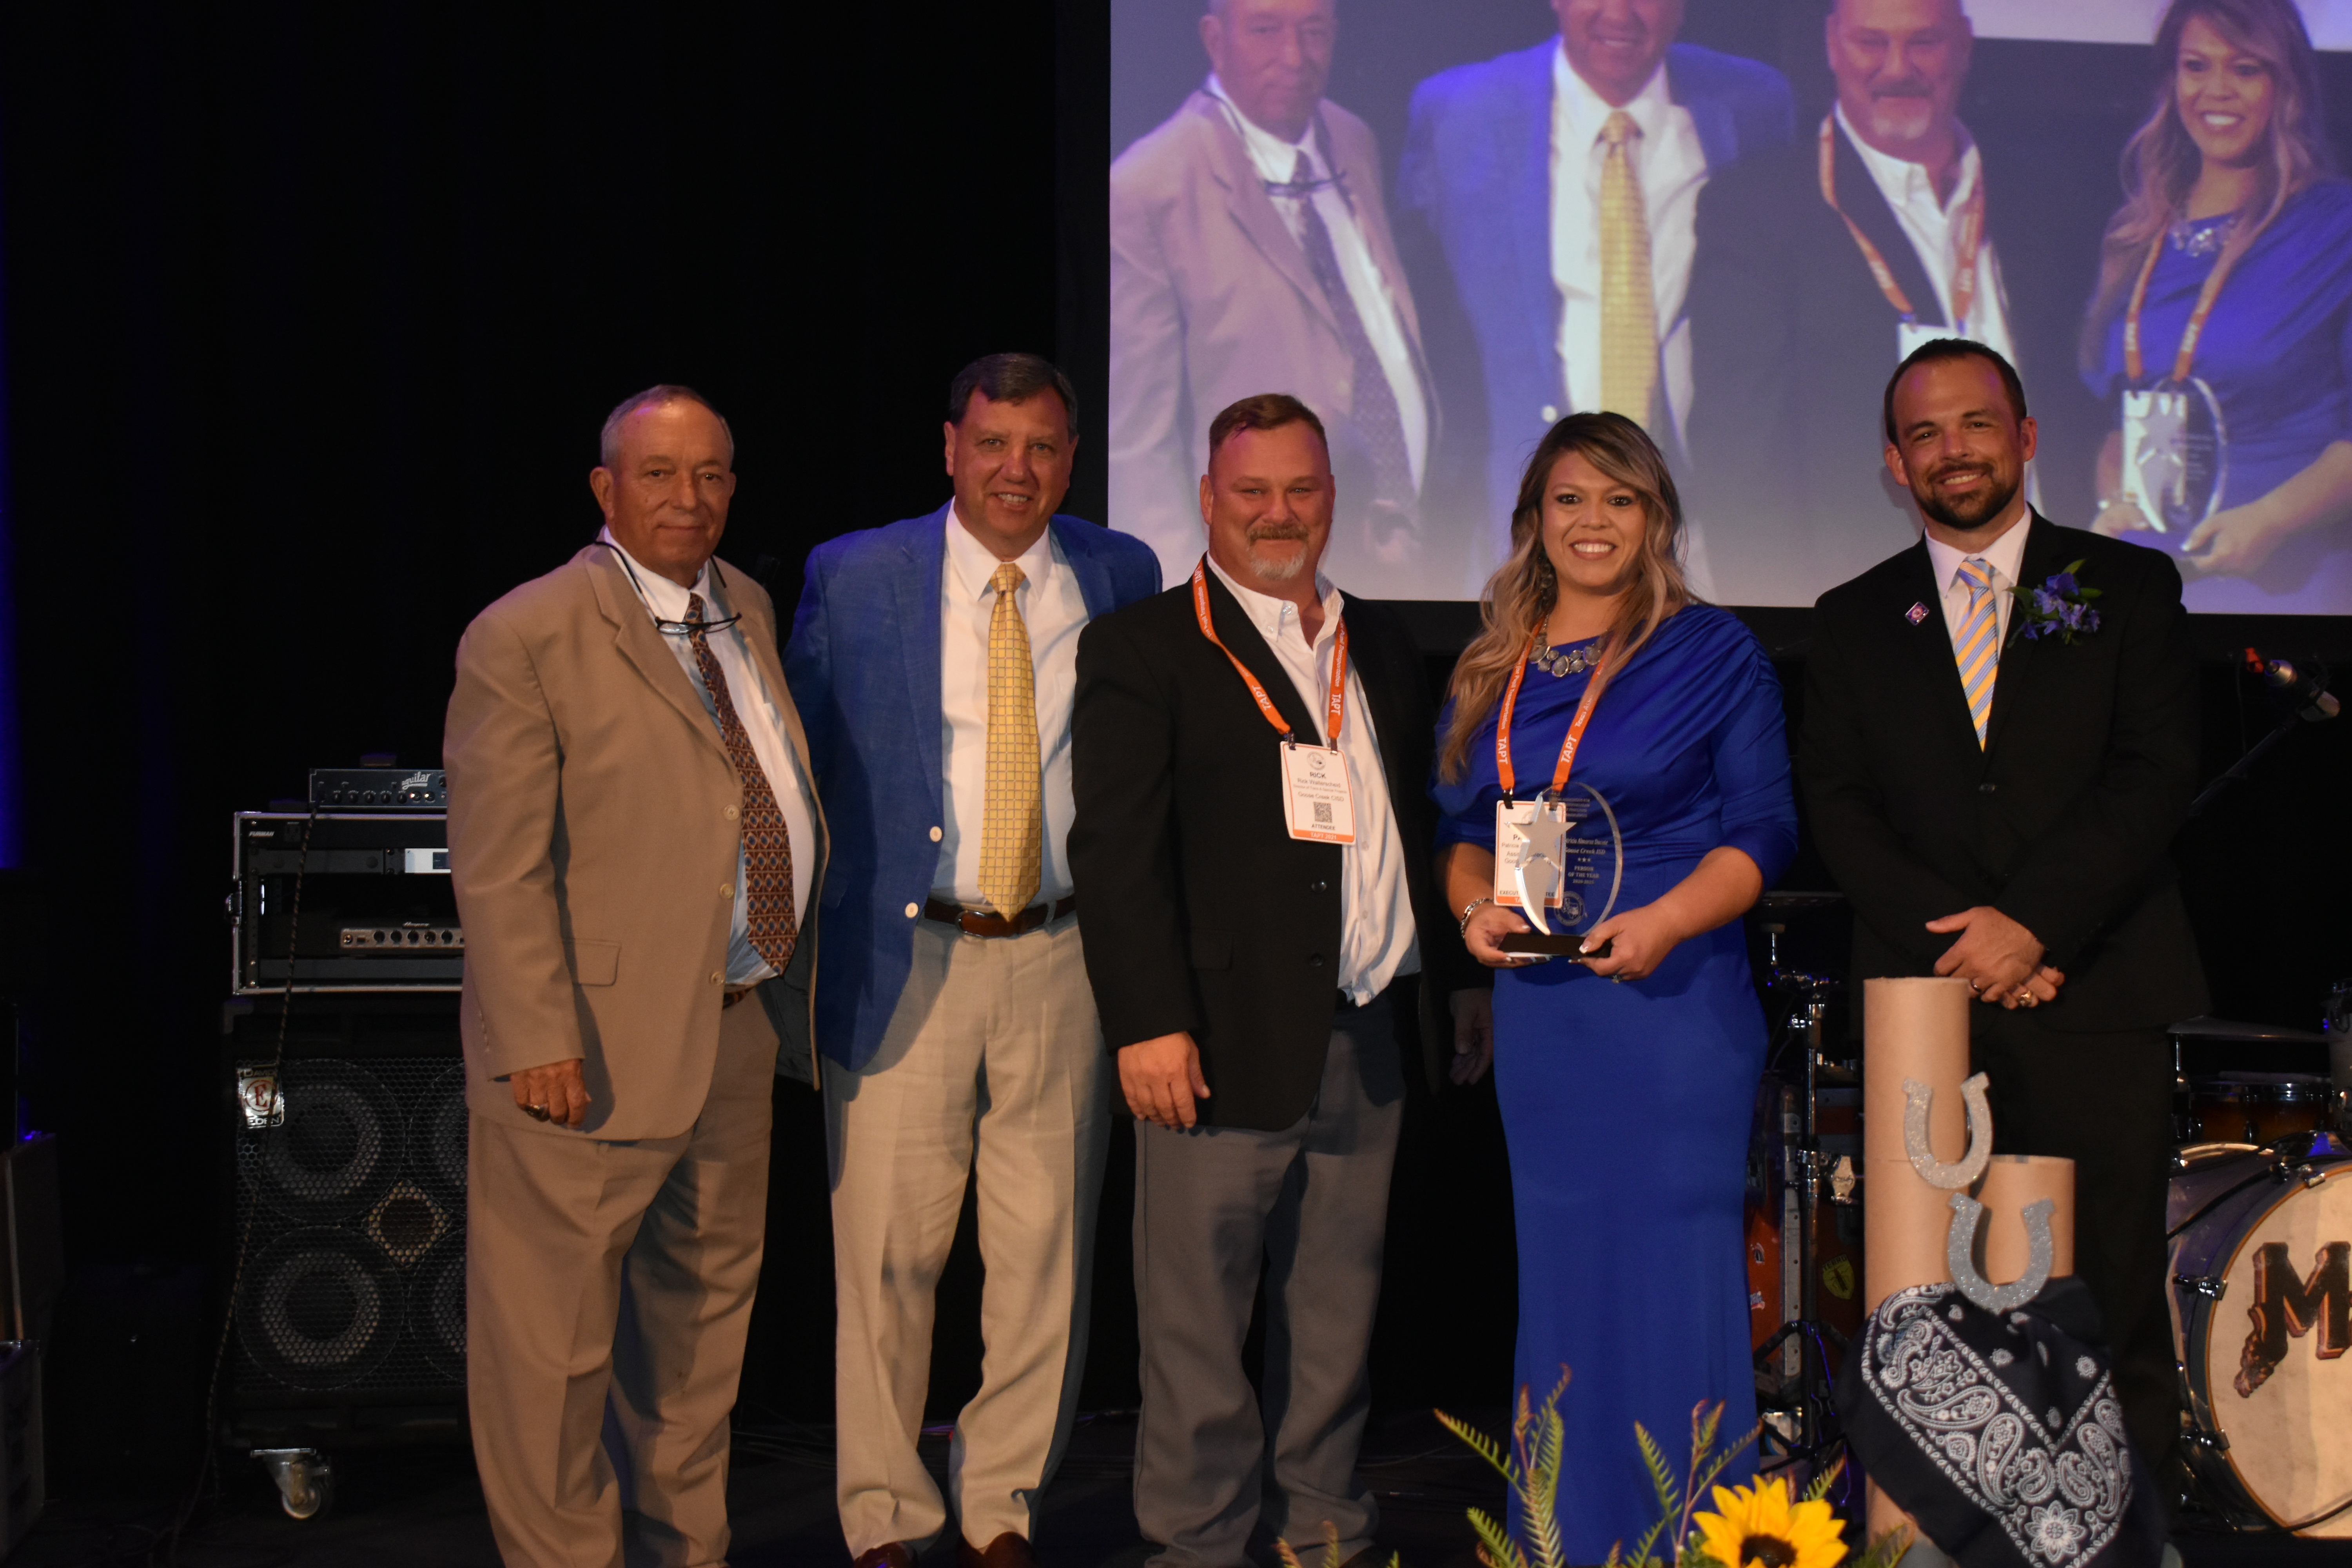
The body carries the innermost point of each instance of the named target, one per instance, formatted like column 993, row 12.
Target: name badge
column 1315, row 799
column 1531, row 855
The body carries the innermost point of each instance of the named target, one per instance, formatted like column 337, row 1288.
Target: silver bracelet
column 1467, row 911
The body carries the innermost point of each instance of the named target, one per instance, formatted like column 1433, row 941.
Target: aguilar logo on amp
column 2287, row 1307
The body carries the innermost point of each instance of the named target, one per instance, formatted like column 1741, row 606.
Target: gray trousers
column 1308, row 1206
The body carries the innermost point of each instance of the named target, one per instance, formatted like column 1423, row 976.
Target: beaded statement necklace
column 1564, row 662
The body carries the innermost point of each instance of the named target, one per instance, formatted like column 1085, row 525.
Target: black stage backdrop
column 311, row 315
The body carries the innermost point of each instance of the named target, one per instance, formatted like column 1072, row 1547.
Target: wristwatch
column 1467, row 911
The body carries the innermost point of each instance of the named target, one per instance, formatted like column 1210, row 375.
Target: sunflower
column 1761, row 1527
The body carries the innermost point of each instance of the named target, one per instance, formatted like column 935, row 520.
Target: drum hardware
column 1846, row 1178
column 2204, row 1285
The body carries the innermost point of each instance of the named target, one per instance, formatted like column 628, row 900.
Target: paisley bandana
column 2000, row 1433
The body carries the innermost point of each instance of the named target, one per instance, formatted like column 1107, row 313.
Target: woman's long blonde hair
column 1523, row 590
column 2161, row 163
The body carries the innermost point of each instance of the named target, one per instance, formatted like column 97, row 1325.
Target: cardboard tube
column 2011, row 1183
column 1918, row 1030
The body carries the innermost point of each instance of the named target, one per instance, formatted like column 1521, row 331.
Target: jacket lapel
column 1368, row 659
column 1930, row 643
column 1093, row 576
column 642, row 645
column 1863, row 201
column 917, row 583
column 1523, row 130
column 1240, row 635
column 2019, row 654
column 1253, row 213
column 1718, row 136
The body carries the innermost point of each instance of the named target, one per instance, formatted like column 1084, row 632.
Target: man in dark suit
column 1514, row 161
column 1262, row 984
column 2001, row 806
column 1792, row 333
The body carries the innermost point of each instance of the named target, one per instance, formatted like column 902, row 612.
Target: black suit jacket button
column 1987, row 788
column 1318, row 887
column 1315, row 961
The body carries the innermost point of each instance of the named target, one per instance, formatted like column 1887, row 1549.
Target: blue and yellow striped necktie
column 1978, row 644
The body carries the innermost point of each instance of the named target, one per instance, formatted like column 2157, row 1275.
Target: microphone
column 2317, row 703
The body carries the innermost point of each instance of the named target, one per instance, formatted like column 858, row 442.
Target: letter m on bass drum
column 2287, row 1305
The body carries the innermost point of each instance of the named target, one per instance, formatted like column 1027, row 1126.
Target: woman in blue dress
column 1626, row 1081
column 2230, row 177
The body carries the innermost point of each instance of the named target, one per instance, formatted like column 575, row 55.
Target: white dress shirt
column 1378, row 941
column 1672, row 167
column 1932, row 226
column 1276, row 161
column 755, row 710
column 2005, row 555
column 1055, row 613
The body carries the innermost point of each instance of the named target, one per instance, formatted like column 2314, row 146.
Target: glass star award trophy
column 1566, row 863
column 2175, row 451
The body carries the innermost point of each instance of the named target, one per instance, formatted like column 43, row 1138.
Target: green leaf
column 1485, row 1447
column 2077, row 566
column 1661, row 1475
column 1496, row 1548
column 1818, row 1488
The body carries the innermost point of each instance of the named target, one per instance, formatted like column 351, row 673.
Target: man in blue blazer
column 1509, row 160
column 933, row 663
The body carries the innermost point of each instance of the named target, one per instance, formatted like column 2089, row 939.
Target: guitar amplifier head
column 381, row 789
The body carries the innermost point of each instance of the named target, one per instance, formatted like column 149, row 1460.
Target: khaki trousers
column 992, row 1067
column 608, row 1288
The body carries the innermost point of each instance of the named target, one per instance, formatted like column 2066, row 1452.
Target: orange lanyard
column 1970, row 240
column 1335, row 707
column 1503, row 768
column 2134, row 366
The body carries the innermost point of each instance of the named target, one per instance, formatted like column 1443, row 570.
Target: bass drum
column 2261, row 1315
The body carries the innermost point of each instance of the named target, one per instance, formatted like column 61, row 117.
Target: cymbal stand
column 1808, row 1016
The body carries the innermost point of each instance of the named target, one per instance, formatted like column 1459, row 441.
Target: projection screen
column 1415, row 215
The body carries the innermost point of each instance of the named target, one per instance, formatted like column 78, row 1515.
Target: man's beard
column 1276, row 569
column 1970, row 512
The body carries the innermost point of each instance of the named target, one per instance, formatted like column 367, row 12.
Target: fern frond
column 1716, row 1467
column 1887, row 1550
column 1643, row 1548
column 1820, row 1485
column 1485, row 1447
column 1661, row 1475
column 1289, row 1558
column 1495, row 1547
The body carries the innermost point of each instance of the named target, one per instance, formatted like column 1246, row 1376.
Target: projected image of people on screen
column 1562, row 181
column 1251, row 253
column 2223, row 325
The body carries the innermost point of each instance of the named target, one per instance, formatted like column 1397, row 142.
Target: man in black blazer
column 1264, row 988
column 1792, row 336
column 2023, row 842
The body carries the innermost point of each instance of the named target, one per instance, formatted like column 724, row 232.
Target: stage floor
column 401, row 1508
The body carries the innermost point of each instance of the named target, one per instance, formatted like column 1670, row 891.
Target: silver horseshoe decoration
column 1916, row 1098
column 1959, row 1254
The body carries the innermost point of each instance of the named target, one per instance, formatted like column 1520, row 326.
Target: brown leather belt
column 988, row 923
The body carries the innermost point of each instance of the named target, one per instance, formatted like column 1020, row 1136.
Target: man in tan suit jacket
column 632, row 838
column 1250, row 252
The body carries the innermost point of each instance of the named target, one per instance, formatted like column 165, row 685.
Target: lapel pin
column 1915, row 614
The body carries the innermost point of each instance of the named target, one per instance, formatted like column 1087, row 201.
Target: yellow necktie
column 1976, row 647
column 1012, row 835
column 1629, row 301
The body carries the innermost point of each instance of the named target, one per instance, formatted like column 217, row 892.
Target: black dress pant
column 2104, row 1101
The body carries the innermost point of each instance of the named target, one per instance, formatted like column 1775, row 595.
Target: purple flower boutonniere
column 2059, row 608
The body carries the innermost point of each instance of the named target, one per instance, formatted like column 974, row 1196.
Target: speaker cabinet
column 348, row 1213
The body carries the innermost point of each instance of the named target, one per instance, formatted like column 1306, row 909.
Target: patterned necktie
column 1376, row 416
column 1629, row 299
column 767, row 847
column 1978, row 645
column 1012, row 832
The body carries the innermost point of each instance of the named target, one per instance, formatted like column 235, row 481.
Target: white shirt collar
column 2005, row 555
column 974, row 564
column 1909, row 184
column 1268, row 614
column 1588, row 112
column 1276, row 158
column 663, row 598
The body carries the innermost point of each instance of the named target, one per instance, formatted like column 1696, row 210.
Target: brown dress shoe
column 892, row 1554
column 1007, row 1550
